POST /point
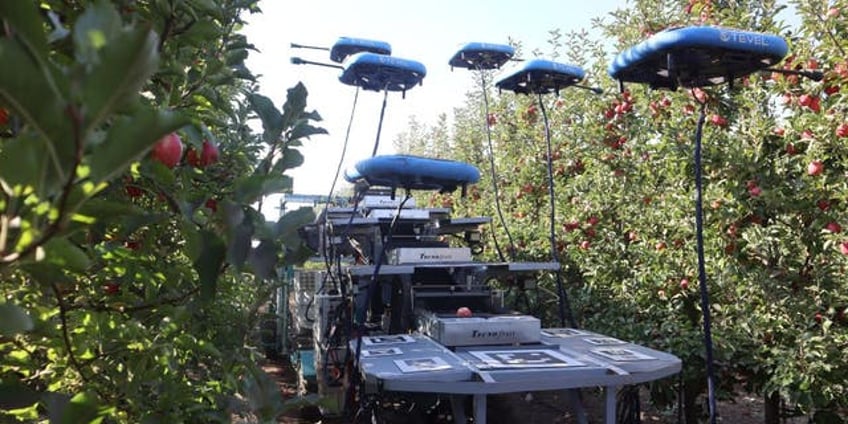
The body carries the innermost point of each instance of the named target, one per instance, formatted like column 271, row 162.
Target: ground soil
column 536, row 408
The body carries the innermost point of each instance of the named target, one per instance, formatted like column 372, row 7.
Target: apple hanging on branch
column 208, row 155
column 168, row 150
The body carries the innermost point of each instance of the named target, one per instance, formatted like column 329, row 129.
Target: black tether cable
column 333, row 185
column 380, row 124
column 494, row 173
column 702, row 272
column 564, row 306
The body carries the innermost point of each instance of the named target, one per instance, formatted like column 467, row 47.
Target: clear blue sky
column 429, row 31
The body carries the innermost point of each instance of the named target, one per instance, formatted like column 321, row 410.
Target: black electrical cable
column 380, row 123
column 702, row 272
column 564, row 306
column 494, row 173
column 335, row 180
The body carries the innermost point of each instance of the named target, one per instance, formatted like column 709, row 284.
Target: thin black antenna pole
column 299, row 61
column 304, row 46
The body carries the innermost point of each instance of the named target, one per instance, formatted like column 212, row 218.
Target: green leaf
column 209, row 7
column 16, row 395
column 23, row 163
column 203, row 31
column 46, row 274
column 35, row 92
column 61, row 252
column 250, row 189
column 25, row 20
column 108, row 210
column 13, row 320
column 272, row 120
column 294, row 106
column 97, row 27
column 291, row 159
column 314, row 116
column 239, row 244
column 236, row 57
column 263, row 259
column 208, row 264
column 296, row 255
column 304, row 130
column 125, row 64
column 288, row 224
column 129, row 138
column 82, row 408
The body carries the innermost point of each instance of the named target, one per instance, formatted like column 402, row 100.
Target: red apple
column 585, row 244
column 208, row 155
column 732, row 230
column 463, row 312
column 843, row 248
column 832, row 12
column 718, row 120
column 779, row 131
column 212, row 205
column 4, row 116
column 661, row 245
column 168, row 150
column 593, row 220
column 791, row 150
column 818, row 317
column 700, row 95
column 812, row 64
column 833, row 227
column 842, row 130
column 133, row 191
column 111, row 288
column 787, row 97
column 815, row 168
column 684, row 284
column 823, row 205
column 815, row 104
column 491, row 119
column 755, row 191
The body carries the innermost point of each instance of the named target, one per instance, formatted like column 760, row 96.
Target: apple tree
column 134, row 260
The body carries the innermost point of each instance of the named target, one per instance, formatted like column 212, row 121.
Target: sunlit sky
column 429, row 32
